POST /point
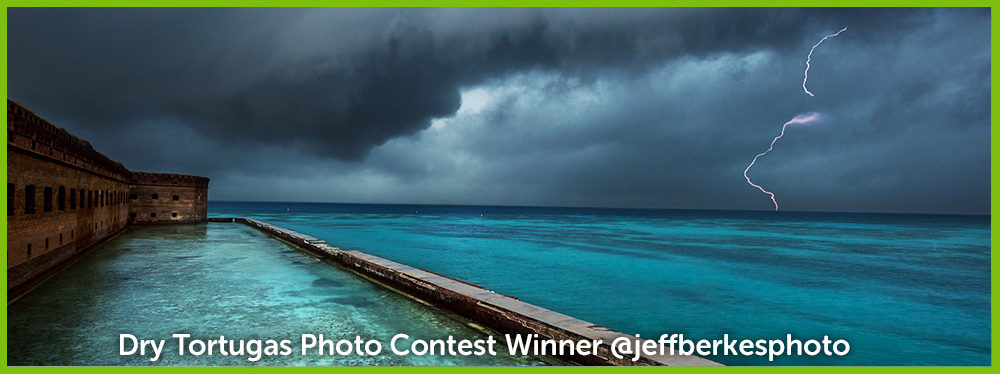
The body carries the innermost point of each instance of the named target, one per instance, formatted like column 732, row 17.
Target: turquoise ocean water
column 901, row 289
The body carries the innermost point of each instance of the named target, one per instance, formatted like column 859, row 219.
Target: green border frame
column 525, row 3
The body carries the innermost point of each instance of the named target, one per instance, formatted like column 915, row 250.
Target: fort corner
column 167, row 198
column 64, row 197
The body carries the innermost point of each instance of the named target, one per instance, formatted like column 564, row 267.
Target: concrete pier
column 499, row 312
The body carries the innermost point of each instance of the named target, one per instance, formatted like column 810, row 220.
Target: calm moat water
column 901, row 289
column 217, row 279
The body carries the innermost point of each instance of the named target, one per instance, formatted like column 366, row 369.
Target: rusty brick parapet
column 29, row 133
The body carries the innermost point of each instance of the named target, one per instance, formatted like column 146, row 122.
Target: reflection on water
column 212, row 280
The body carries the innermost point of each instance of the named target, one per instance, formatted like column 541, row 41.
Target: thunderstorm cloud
column 652, row 107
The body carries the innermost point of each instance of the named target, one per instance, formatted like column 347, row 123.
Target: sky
column 642, row 108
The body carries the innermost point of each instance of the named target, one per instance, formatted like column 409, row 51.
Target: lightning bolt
column 801, row 119
column 809, row 58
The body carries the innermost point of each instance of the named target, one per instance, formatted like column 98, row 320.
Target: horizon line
column 988, row 214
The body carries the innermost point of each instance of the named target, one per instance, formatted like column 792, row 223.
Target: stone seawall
column 501, row 313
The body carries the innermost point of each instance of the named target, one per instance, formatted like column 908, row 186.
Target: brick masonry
column 64, row 197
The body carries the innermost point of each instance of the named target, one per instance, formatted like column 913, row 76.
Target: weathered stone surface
column 501, row 313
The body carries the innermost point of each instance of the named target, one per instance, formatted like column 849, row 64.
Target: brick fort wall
column 64, row 197
column 157, row 198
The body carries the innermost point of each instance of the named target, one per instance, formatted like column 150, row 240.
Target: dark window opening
column 29, row 250
column 152, row 214
column 155, row 196
column 46, row 243
column 174, row 214
column 60, row 238
column 71, row 234
column 62, row 198
column 10, row 199
column 176, row 197
column 83, row 199
column 72, row 198
column 131, row 215
column 29, row 199
column 47, row 200
column 154, row 182
column 133, row 196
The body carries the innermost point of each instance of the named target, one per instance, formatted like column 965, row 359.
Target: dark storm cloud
column 342, row 81
column 608, row 107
